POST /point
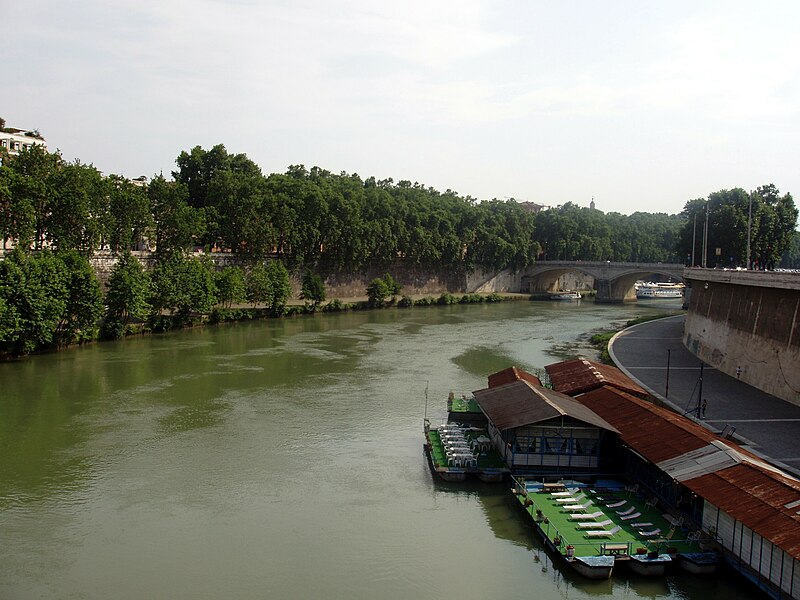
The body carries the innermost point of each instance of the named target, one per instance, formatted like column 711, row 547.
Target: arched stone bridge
column 613, row 281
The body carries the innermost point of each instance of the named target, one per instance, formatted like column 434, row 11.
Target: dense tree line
column 772, row 218
column 308, row 221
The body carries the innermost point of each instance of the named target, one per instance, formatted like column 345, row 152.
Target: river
column 280, row 459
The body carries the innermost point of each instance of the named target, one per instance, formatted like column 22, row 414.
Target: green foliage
column 127, row 294
column 334, row 305
column 392, row 287
column 313, row 289
column 446, row 299
column 231, row 287
column 280, row 288
column 83, row 302
column 183, row 286
column 791, row 256
column 773, row 219
column 34, row 294
column 405, row 302
column 258, row 287
column 377, row 291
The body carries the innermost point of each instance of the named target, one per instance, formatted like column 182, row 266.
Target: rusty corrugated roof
column 753, row 492
column 523, row 403
column 764, row 501
column 580, row 375
column 656, row 433
column 512, row 374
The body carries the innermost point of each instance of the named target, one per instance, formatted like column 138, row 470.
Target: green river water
column 281, row 459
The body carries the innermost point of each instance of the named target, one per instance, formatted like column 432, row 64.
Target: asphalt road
column 766, row 425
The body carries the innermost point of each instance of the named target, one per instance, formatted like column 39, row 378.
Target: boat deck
column 488, row 461
column 642, row 528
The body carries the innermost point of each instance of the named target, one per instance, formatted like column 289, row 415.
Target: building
column 537, row 429
column 13, row 140
column 751, row 509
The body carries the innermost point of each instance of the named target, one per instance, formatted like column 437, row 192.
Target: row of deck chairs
column 458, row 450
column 597, row 529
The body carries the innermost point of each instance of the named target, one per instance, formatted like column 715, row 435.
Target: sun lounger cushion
column 632, row 516
column 603, row 533
column 641, row 524
column 649, row 533
column 585, row 517
column 626, row 511
column 600, row 525
column 617, row 504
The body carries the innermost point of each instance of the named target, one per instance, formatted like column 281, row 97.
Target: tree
column 84, row 300
column 129, row 219
column 392, row 287
column 230, row 286
column 377, row 291
column 128, row 289
column 313, row 289
column 34, row 295
column 182, row 285
column 258, row 285
column 177, row 224
column 280, row 288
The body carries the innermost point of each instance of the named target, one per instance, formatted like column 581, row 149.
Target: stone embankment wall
column 748, row 325
column 347, row 284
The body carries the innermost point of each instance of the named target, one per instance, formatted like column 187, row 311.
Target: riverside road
column 766, row 425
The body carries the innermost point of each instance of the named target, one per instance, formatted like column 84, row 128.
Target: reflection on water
column 276, row 459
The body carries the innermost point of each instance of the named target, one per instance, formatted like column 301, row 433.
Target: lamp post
column 749, row 222
column 704, row 260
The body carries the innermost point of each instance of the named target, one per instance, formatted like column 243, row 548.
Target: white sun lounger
column 577, row 507
column 627, row 511
column 600, row 525
column 649, row 533
column 640, row 525
column 603, row 532
column 584, row 516
column 570, row 500
column 633, row 516
column 569, row 492
column 617, row 504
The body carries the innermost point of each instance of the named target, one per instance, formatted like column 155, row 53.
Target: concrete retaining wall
column 749, row 327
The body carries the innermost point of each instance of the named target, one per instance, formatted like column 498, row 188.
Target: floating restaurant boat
column 553, row 437
column 650, row 290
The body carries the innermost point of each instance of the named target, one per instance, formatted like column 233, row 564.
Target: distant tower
column 591, row 204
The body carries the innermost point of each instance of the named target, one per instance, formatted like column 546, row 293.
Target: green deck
column 464, row 405
column 563, row 531
column 490, row 460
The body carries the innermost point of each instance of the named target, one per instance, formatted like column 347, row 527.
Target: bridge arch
column 614, row 282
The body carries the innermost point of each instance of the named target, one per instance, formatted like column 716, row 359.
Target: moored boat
column 698, row 563
column 649, row 565
column 567, row 295
column 650, row 290
column 593, row 567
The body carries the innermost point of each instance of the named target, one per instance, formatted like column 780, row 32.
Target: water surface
column 279, row 459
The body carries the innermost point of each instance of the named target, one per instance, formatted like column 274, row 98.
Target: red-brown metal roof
column 758, row 498
column 523, row 403
column 512, row 374
column 656, row 433
column 580, row 375
column 751, row 491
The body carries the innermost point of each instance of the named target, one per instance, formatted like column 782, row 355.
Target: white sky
column 640, row 104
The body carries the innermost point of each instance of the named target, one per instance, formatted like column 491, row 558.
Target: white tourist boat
column 650, row 290
column 566, row 295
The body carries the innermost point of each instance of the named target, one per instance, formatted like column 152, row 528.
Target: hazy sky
column 642, row 105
